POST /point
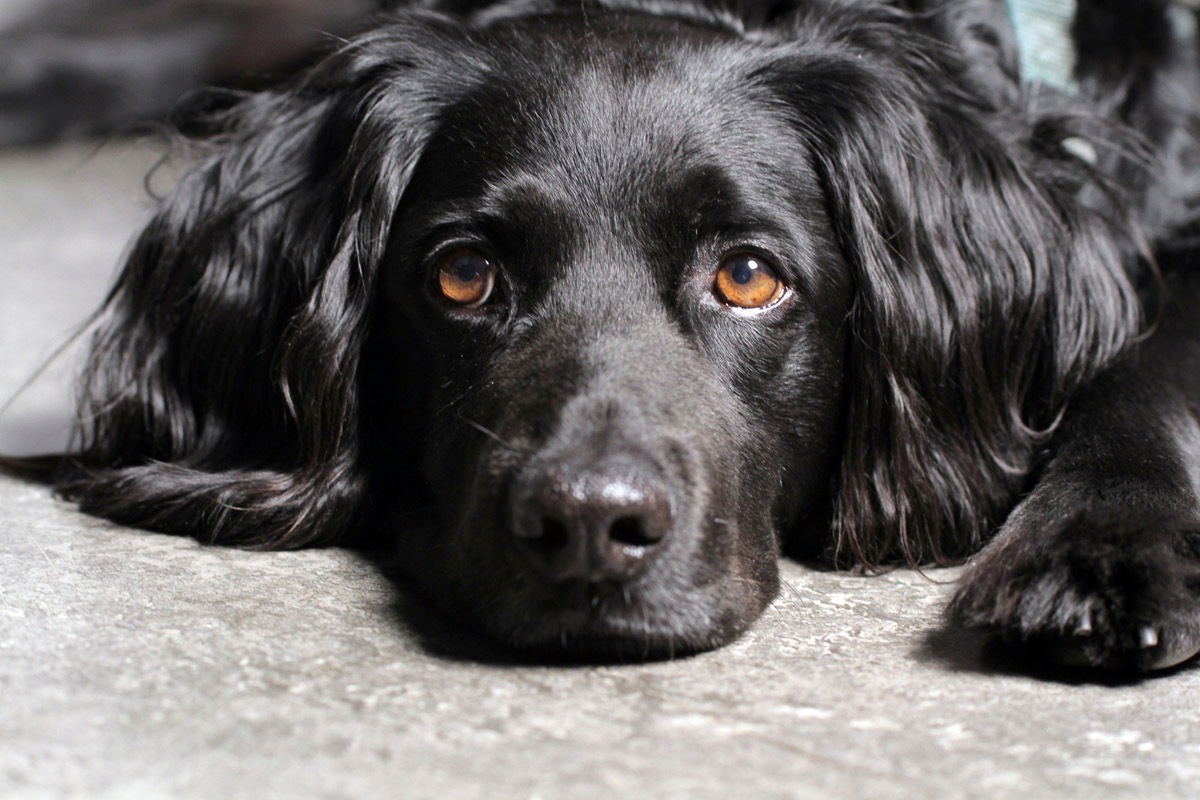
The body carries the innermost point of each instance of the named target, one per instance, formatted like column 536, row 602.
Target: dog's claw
column 1084, row 628
column 1148, row 638
column 1164, row 654
column 1081, row 149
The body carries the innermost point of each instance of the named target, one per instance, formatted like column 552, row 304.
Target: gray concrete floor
column 139, row 665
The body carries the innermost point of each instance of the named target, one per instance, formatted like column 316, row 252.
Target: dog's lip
column 631, row 635
column 605, row 619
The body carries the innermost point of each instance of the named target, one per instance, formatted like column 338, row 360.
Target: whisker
column 491, row 435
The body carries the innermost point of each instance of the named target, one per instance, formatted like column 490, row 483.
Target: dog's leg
column 1100, row 564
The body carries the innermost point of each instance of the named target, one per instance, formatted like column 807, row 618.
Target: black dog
column 594, row 306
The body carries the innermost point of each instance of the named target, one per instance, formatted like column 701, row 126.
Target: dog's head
column 623, row 300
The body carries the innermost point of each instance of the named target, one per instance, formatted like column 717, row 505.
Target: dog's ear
column 985, row 293
column 220, row 395
column 981, row 31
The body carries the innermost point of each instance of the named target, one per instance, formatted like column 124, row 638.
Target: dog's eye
column 466, row 278
column 745, row 280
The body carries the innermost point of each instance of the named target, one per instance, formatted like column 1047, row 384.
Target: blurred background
column 76, row 78
column 77, row 68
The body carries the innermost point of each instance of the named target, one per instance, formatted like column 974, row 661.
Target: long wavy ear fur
column 985, row 291
column 220, row 399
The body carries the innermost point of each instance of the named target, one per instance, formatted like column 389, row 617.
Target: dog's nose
column 597, row 524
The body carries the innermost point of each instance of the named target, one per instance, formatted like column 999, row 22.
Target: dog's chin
column 593, row 623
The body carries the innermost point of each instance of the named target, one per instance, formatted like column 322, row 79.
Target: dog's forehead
column 618, row 113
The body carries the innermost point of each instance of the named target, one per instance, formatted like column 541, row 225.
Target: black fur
column 607, row 459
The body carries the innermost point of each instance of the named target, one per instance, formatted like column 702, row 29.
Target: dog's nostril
column 631, row 531
column 553, row 536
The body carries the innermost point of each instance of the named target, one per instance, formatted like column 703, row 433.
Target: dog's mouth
column 607, row 620
column 598, row 618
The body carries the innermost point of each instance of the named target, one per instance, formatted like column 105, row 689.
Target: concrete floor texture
column 140, row 665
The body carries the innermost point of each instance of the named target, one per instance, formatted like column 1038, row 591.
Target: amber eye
column 746, row 281
column 466, row 278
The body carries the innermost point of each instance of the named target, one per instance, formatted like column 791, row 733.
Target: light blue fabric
column 1044, row 37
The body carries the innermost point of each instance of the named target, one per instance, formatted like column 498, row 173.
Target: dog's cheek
column 454, row 549
column 810, row 402
column 420, row 404
column 749, row 531
column 789, row 380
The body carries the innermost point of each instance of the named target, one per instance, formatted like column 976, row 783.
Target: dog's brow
column 496, row 200
column 525, row 188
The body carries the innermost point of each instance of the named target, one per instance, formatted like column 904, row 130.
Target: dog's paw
column 1117, row 592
